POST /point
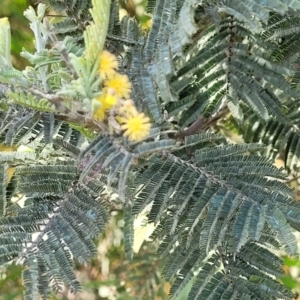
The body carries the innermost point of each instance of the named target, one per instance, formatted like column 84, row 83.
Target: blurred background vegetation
column 109, row 276
column 21, row 34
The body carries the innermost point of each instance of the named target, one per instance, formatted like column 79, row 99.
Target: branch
column 63, row 113
column 193, row 129
column 57, row 101
column 202, row 124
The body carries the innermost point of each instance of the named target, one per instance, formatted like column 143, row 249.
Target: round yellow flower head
column 99, row 114
column 111, row 100
column 136, row 127
column 108, row 99
column 120, row 84
column 108, row 65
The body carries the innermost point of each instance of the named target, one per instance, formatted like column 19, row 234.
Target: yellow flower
column 108, row 65
column 107, row 100
column 120, row 84
column 99, row 115
column 136, row 127
column 110, row 100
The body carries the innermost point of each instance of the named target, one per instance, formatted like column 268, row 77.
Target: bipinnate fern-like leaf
column 57, row 224
column 75, row 20
column 21, row 125
column 5, row 58
column 103, row 152
column 114, row 20
column 243, row 11
column 226, row 277
column 284, row 32
column 95, row 33
column 67, row 147
column 227, row 67
column 3, row 185
column 220, row 200
column 230, row 69
column 17, row 124
column 281, row 138
column 31, row 101
column 15, row 157
column 69, row 6
column 49, row 124
column 44, row 175
column 151, row 67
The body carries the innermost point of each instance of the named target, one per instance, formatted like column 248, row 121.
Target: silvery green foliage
column 218, row 208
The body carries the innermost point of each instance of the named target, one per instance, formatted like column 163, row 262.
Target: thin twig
column 202, row 124
column 193, row 129
column 57, row 101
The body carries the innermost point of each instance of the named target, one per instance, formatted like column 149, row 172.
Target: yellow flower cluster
column 108, row 65
column 114, row 103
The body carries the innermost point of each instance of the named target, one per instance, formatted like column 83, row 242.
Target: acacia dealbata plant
column 106, row 105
